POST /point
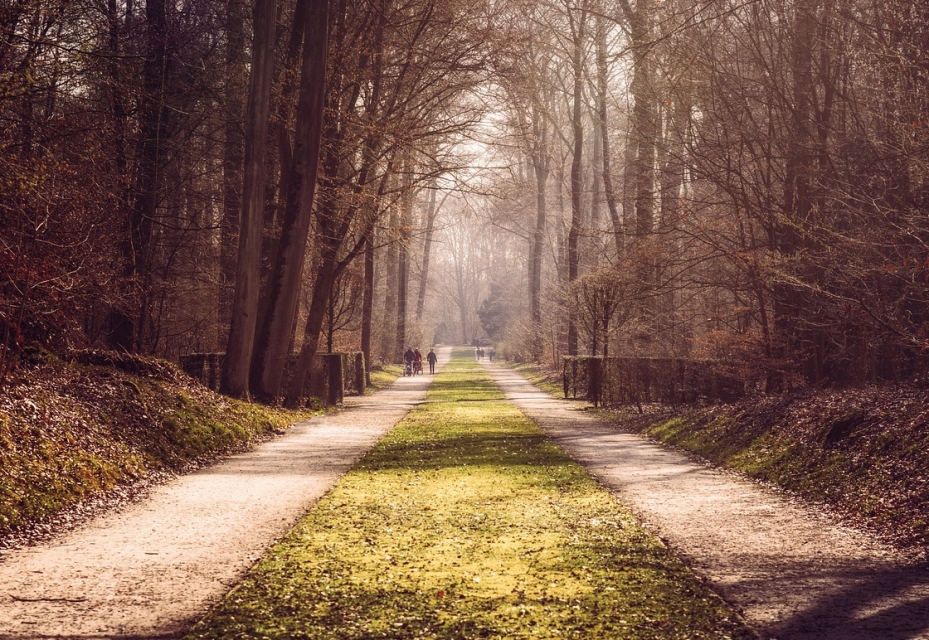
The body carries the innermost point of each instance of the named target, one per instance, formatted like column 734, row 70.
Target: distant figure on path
column 408, row 359
column 432, row 357
column 490, row 354
column 417, row 361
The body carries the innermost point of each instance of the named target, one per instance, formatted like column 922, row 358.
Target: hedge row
column 617, row 381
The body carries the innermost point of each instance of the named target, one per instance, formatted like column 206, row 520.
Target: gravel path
column 152, row 569
column 795, row 574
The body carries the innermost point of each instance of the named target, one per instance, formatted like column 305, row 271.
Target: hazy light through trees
column 699, row 178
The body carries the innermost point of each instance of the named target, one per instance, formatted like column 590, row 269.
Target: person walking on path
column 431, row 357
column 408, row 359
column 417, row 361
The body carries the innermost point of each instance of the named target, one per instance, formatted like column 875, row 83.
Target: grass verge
column 466, row 522
column 72, row 433
column 383, row 376
column 543, row 377
column 861, row 452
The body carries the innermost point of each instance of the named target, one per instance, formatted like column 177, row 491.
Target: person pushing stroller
column 408, row 358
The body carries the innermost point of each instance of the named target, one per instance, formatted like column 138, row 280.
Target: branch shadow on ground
column 871, row 605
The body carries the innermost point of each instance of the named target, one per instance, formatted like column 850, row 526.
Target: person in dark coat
column 408, row 359
column 432, row 357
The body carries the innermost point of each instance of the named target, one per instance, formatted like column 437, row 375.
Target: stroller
column 408, row 371
column 417, row 367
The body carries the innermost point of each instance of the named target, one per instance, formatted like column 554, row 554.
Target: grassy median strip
column 466, row 522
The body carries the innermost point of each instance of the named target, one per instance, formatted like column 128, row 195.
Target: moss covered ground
column 72, row 432
column 466, row 522
column 859, row 452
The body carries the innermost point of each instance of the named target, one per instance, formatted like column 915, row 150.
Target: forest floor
column 151, row 569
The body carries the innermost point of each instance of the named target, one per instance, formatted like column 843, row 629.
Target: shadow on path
column 795, row 574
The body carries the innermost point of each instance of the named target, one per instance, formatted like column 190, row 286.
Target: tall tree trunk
column 541, row 160
column 285, row 280
column 671, row 169
column 462, row 299
column 644, row 136
column 792, row 310
column 244, row 314
column 334, row 220
column 367, row 304
column 119, row 329
column 390, row 296
column 154, row 132
column 403, row 256
column 602, row 115
column 427, row 248
column 576, row 169
column 233, row 158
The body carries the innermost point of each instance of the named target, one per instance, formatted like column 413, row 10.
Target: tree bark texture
column 431, row 213
column 285, row 279
column 577, row 157
column 233, row 159
column 244, row 313
column 609, row 193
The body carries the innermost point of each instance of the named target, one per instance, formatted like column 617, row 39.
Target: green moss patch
column 69, row 431
column 384, row 376
column 466, row 522
column 860, row 451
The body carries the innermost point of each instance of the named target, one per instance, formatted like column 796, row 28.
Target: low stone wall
column 617, row 381
column 331, row 377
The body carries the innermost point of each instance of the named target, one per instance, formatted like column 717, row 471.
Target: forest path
column 795, row 573
column 155, row 567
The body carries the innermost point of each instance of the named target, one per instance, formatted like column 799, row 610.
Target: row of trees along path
column 156, row 567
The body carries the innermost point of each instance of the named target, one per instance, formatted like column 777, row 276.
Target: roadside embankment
column 860, row 453
column 76, row 439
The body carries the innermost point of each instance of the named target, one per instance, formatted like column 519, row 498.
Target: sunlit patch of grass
column 383, row 376
column 543, row 377
column 466, row 522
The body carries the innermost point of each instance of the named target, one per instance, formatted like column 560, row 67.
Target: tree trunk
column 540, row 164
column 233, row 158
column 119, row 324
column 403, row 256
column 244, row 314
column 285, row 279
column 154, row 131
column 644, row 138
column 602, row 114
column 390, row 297
column 367, row 304
column 576, row 170
column 427, row 248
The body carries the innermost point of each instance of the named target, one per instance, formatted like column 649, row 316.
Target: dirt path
column 153, row 568
column 794, row 573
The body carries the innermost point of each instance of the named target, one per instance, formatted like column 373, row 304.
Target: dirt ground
column 151, row 569
column 794, row 573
